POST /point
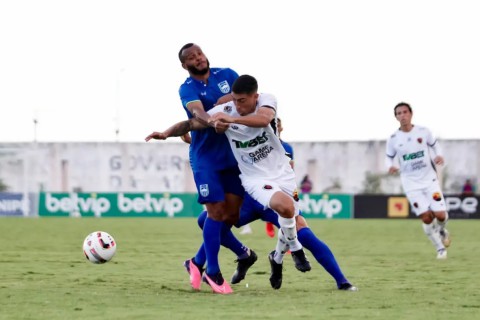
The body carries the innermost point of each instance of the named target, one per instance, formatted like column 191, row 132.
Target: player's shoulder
column 224, row 72
column 420, row 128
column 394, row 135
column 267, row 99
column 267, row 95
column 227, row 107
column 187, row 84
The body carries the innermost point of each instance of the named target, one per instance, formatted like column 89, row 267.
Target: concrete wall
column 346, row 167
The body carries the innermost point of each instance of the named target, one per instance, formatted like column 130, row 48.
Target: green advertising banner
column 326, row 206
column 323, row 206
column 119, row 205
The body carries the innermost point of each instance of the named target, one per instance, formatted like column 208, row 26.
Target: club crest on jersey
column 267, row 187
column 295, row 195
column 437, row 196
column 415, row 204
column 224, row 87
column 419, row 140
column 204, row 191
column 227, row 108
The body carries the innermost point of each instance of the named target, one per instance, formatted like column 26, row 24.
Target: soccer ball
column 99, row 247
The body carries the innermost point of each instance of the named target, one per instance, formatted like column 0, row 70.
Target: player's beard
column 199, row 72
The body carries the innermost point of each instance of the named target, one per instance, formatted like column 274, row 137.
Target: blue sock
column 322, row 254
column 231, row 242
column 211, row 242
column 228, row 240
column 200, row 258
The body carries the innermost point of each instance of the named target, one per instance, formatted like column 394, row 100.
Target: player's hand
column 186, row 138
column 220, row 127
column 438, row 160
column 156, row 135
column 393, row 170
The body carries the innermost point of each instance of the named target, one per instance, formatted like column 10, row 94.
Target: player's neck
column 202, row 77
column 406, row 128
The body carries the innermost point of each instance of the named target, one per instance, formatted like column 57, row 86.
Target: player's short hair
column 401, row 104
column 245, row 84
column 180, row 53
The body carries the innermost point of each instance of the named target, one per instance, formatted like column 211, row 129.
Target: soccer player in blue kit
column 214, row 167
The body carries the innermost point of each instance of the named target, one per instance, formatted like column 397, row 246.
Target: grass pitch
column 44, row 274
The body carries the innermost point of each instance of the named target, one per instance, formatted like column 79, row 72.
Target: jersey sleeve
column 432, row 142
column 390, row 153
column 217, row 108
column 187, row 94
column 267, row 100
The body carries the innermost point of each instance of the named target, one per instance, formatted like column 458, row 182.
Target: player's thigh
column 263, row 190
column 230, row 181
column 419, row 202
column 213, row 184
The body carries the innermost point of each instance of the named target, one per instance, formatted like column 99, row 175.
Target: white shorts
column 427, row 199
column 262, row 190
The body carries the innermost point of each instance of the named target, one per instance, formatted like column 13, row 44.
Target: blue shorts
column 212, row 185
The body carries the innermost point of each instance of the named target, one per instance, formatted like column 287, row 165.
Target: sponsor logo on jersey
column 227, row 108
column 251, row 143
column 224, row 87
column 234, row 127
column 204, row 191
column 260, row 154
column 412, row 156
column 204, row 93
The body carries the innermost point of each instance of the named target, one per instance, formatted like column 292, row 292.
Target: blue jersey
column 209, row 150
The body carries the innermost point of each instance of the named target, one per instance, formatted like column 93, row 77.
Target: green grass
column 44, row 275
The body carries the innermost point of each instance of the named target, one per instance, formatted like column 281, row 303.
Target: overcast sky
column 85, row 68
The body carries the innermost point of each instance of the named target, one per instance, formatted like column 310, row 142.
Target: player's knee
column 440, row 215
column 301, row 222
column 427, row 217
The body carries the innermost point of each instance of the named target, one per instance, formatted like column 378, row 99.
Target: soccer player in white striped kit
column 412, row 145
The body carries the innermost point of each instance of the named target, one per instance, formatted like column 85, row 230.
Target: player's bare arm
column 261, row 119
column 393, row 170
column 198, row 112
column 438, row 160
column 224, row 99
column 177, row 130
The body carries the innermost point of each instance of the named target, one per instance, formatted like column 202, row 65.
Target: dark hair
column 245, row 84
column 180, row 53
column 402, row 104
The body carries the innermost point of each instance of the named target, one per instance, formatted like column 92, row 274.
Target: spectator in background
column 306, row 184
column 468, row 188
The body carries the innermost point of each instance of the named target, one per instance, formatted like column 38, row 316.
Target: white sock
column 289, row 229
column 433, row 236
column 281, row 248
